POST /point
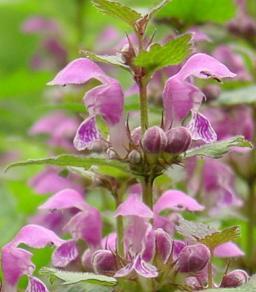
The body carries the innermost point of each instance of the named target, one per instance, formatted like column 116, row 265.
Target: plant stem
column 147, row 186
column 120, row 225
column 210, row 278
column 250, row 223
column 143, row 104
column 80, row 8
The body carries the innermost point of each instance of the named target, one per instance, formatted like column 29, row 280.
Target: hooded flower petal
column 36, row 236
column 178, row 201
column 36, row 285
column 204, row 66
column 79, row 71
column 149, row 245
column 65, row 199
column 228, row 250
column 86, row 225
column 180, row 96
column 64, row 254
column 86, row 134
column 133, row 206
column 201, row 129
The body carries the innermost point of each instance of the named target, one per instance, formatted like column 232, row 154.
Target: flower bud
column 234, row 279
column 104, row 262
column 193, row 258
column 154, row 140
column 136, row 135
column 178, row 140
column 134, row 157
column 111, row 153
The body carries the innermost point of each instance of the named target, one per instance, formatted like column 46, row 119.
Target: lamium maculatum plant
column 153, row 240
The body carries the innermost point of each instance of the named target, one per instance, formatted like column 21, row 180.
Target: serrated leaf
column 220, row 237
column 113, row 60
column 73, row 160
column 76, row 277
column 245, row 95
column 219, row 148
column 206, row 234
column 172, row 53
column 157, row 8
column 199, row 11
column 248, row 287
column 117, row 10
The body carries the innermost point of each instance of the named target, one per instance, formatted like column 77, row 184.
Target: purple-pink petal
column 163, row 244
column 178, row 201
column 86, row 134
column 149, row 245
column 67, row 198
column 104, row 262
column 228, row 250
column 204, row 66
column 133, row 206
column 201, row 129
column 16, row 262
column 86, row 225
column 79, row 71
column 36, row 236
column 64, row 254
column 144, row 269
column 36, row 285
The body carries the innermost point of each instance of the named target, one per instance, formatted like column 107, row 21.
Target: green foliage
column 73, row 160
column 199, row 11
column 172, row 53
column 113, row 60
column 118, row 10
column 206, row 234
column 74, row 277
column 219, row 148
column 244, row 95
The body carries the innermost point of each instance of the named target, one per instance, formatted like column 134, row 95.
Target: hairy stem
column 120, row 224
column 147, row 186
column 143, row 104
column 250, row 223
column 80, row 9
column 210, row 278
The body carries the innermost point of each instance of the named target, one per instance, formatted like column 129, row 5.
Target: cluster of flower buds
column 174, row 141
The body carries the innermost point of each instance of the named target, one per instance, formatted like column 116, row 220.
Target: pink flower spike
column 204, row 66
column 201, row 129
column 133, row 206
column 228, row 250
column 177, row 201
column 78, row 72
column 86, row 134
column 65, row 199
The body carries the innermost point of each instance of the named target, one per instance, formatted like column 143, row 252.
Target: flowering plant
column 147, row 243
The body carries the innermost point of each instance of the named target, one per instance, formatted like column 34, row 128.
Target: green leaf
column 248, row 287
column 157, row 8
column 113, row 60
column 117, row 10
column 199, row 11
column 75, row 277
column 220, row 237
column 219, row 148
column 206, row 234
column 245, row 95
column 172, row 53
column 73, row 160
